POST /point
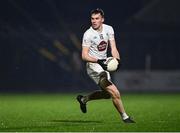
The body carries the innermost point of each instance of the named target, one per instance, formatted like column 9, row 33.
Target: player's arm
column 85, row 52
column 85, row 55
column 114, row 50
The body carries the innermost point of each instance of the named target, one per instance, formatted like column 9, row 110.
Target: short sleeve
column 86, row 40
column 111, row 33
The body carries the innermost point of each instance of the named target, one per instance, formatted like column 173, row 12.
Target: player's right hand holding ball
column 102, row 63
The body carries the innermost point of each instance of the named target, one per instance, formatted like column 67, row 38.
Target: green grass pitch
column 60, row 112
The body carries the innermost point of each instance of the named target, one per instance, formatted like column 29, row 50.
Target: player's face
column 96, row 21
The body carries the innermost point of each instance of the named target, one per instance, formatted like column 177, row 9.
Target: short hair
column 96, row 11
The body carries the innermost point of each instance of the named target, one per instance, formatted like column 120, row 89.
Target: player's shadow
column 31, row 128
column 76, row 121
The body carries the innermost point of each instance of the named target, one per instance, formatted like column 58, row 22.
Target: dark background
column 40, row 40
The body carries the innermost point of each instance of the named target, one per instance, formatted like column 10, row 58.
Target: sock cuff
column 124, row 116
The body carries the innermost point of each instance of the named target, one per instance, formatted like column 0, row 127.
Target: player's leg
column 112, row 90
column 99, row 94
column 115, row 94
column 93, row 70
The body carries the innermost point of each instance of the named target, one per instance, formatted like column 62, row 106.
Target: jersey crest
column 101, row 36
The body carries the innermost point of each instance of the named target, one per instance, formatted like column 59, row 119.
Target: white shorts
column 94, row 70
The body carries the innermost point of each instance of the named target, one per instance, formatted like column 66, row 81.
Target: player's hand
column 102, row 63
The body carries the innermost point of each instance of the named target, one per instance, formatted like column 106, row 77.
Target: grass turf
column 60, row 112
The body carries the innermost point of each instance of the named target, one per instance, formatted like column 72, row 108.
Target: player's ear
column 103, row 19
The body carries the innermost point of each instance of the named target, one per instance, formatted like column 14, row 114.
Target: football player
column 94, row 51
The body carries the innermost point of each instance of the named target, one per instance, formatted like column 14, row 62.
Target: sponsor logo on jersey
column 102, row 46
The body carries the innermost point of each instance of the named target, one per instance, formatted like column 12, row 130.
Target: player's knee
column 115, row 94
column 103, row 81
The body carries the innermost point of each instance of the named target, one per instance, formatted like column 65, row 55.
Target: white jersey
column 98, row 41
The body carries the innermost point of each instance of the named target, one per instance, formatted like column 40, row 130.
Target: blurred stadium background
column 40, row 44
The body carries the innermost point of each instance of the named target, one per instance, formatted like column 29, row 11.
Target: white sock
column 124, row 116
